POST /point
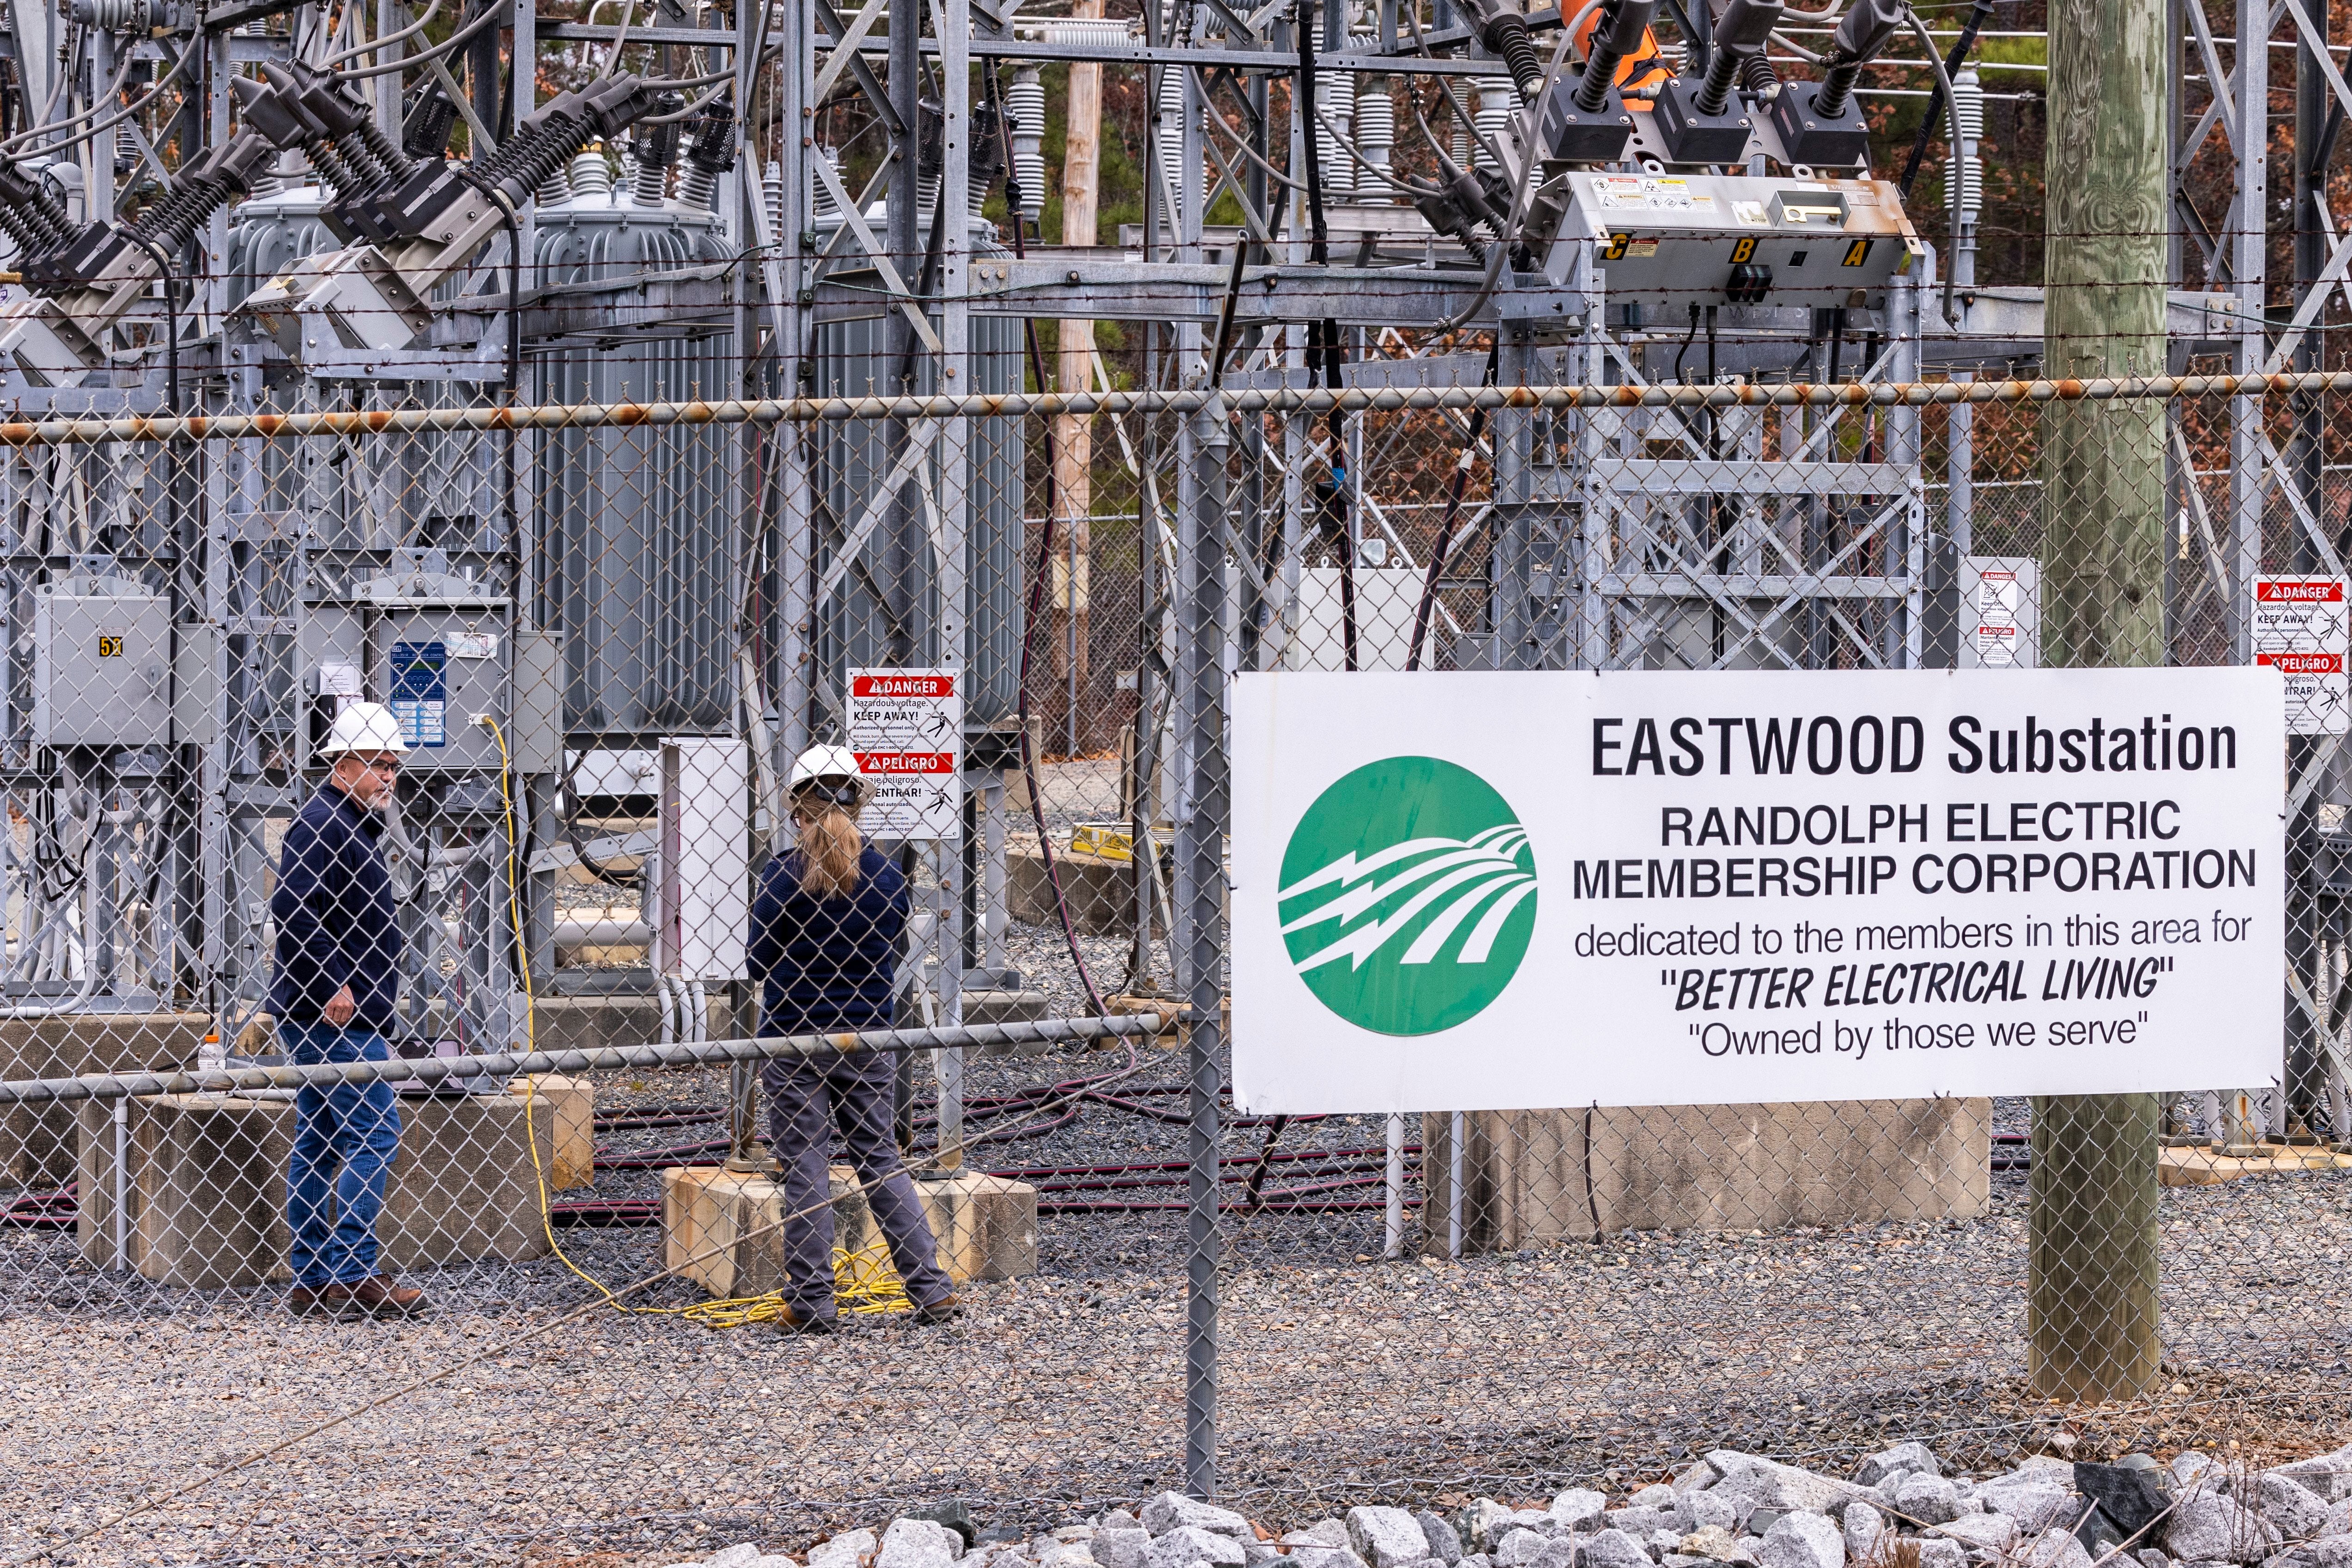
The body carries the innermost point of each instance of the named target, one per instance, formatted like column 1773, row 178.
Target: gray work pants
column 806, row 1100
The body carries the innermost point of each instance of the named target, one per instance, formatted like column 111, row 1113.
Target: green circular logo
column 1408, row 896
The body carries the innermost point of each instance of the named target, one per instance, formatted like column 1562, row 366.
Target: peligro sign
column 1505, row 891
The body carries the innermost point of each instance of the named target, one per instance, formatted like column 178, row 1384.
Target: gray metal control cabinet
column 101, row 664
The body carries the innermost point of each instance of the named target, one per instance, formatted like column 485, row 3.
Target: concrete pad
column 2199, row 1167
column 204, row 1185
column 37, row 1141
column 1535, row 1176
column 574, row 1101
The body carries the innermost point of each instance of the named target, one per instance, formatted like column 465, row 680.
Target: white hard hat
column 819, row 764
column 365, row 727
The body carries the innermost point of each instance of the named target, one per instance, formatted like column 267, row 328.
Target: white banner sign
column 1457, row 891
column 907, row 728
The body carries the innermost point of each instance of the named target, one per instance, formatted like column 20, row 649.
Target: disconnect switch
column 101, row 665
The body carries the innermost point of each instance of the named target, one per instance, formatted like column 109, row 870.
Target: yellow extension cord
column 862, row 1281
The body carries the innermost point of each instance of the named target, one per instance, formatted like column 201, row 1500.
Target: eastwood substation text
column 2080, row 808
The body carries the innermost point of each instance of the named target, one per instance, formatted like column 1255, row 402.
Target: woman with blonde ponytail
column 825, row 930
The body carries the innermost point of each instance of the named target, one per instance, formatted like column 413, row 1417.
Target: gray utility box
column 101, row 664
column 438, row 667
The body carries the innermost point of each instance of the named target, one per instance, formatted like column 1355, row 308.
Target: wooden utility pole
column 2091, row 1307
column 1074, row 445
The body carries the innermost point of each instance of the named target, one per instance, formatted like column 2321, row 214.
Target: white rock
column 1863, row 1524
column 1661, row 1542
column 1475, row 1524
column 1443, row 1543
column 1696, row 1510
column 1698, row 1476
column 1914, row 1457
column 2210, row 1529
column 1891, row 1482
column 1519, row 1546
column 1716, row 1543
column 1121, row 1548
column 2296, row 1511
column 2329, row 1475
column 2189, row 1467
column 1928, row 1500
column 918, row 1544
column 1324, row 1557
column 1782, row 1488
column 2054, row 1548
column 2325, row 1552
column 1254, row 1552
column 1656, row 1495
column 743, row 1554
column 1802, row 1538
column 1173, row 1511
column 2036, row 1505
column 1190, row 1546
column 1637, row 1521
column 844, row 1550
column 1578, row 1509
column 1989, row 1532
column 1613, row 1549
column 1386, row 1537
column 1331, row 1533
column 1941, row 1551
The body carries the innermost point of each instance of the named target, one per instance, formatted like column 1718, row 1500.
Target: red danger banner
column 891, row 764
column 2299, row 591
column 902, row 686
column 2303, row 663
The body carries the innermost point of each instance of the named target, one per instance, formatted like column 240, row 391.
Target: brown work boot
column 316, row 1301
column 788, row 1321
column 377, row 1296
column 946, row 1309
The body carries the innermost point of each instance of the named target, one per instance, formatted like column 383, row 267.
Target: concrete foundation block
column 722, row 1228
column 37, row 1143
column 1530, row 1177
column 601, row 1023
column 202, row 1179
column 986, row 1226
column 573, row 1102
column 1101, row 892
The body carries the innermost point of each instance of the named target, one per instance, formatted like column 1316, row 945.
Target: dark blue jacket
column 828, row 963
column 336, row 924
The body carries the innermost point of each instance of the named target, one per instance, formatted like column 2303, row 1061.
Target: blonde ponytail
column 830, row 847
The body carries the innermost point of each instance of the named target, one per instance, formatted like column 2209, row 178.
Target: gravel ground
column 1340, row 1380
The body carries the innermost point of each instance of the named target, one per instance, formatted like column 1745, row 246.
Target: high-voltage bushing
column 1820, row 124
column 1708, row 124
column 1503, row 29
column 1585, row 119
column 84, row 284
column 427, row 223
column 709, row 154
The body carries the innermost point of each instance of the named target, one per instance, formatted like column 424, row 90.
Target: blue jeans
column 344, row 1139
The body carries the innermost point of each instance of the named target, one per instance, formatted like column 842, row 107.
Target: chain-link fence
column 447, row 844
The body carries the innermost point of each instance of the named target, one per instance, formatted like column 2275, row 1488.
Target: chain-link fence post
column 1200, row 849
column 2091, row 1300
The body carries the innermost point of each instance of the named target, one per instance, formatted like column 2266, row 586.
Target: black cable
column 1979, row 13
column 1318, row 246
column 1037, row 582
column 1451, row 519
column 1688, row 338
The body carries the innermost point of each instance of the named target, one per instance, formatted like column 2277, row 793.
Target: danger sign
column 907, row 728
column 2299, row 627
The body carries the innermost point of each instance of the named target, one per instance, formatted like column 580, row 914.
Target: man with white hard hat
column 337, row 973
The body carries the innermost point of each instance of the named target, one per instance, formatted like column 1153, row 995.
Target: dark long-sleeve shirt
column 826, row 963
column 333, row 909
